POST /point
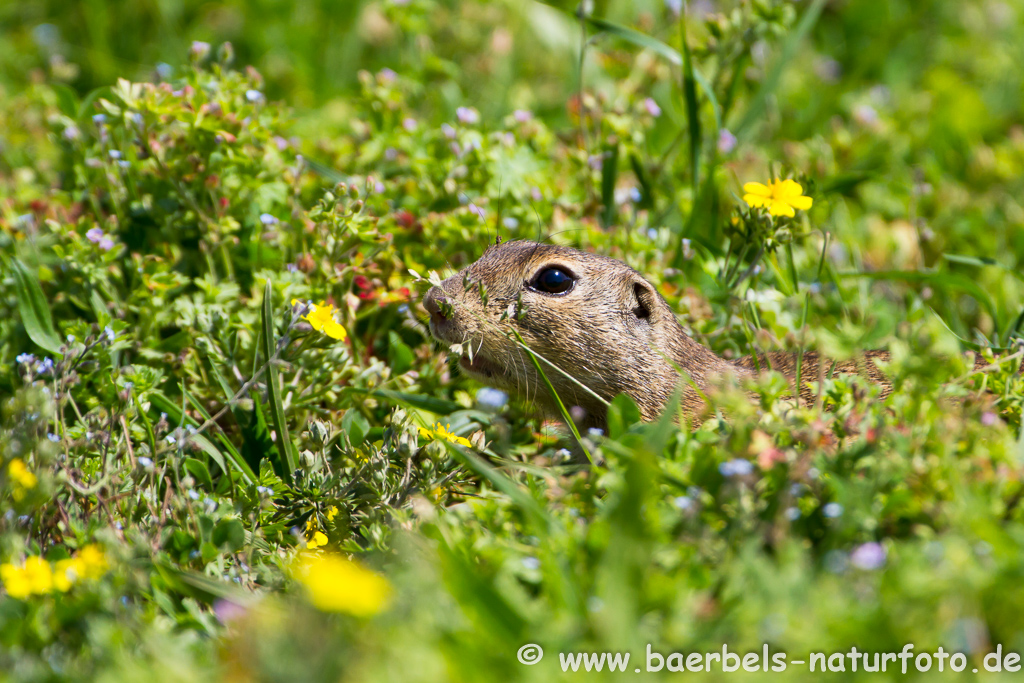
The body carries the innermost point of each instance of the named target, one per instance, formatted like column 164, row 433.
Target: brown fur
column 613, row 332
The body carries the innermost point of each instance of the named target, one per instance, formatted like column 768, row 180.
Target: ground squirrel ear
column 644, row 300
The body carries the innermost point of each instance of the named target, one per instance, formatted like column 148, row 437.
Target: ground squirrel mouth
column 480, row 366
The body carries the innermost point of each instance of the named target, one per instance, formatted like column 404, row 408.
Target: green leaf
column 399, row 354
column 229, row 534
column 200, row 471
column 32, row 306
column 284, row 443
column 622, row 414
column 355, row 425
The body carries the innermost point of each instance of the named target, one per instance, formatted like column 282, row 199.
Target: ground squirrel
column 596, row 319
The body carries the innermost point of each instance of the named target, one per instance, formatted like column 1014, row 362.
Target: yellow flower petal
column 786, row 189
column 755, row 201
column 20, row 474
column 93, row 561
column 65, row 573
column 757, row 189
column 322, row 320
column 38, row 574
column 781, row 197
column 15, row 581
column 336, row 584
column 802, row 203
column 780, row 208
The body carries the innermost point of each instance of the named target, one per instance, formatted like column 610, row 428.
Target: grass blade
column 662, row 50
column 692, row 108
column 32, row 306
column 771, row 81
column 554, row 395
column 609, row 174
column 284, row 442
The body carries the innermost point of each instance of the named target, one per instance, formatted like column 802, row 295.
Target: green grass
column 163, row 399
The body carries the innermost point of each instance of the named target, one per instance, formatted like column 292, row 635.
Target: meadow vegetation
column 229, row 449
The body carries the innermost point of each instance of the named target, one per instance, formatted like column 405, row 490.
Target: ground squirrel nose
column 433, row 301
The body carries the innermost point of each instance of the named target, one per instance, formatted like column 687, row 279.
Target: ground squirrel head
column 592, row 317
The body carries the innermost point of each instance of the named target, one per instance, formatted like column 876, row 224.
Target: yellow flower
column 780, row 197
column 321, row 317
column 15, row 582
column 66, row 572
column 332, row 512
column 314, row 537
column 92, row 561
column 336, row 584
column 32, row 578
column 21, row 475
column 439, row 432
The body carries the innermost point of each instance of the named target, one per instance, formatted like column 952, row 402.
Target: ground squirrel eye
column 553, row 280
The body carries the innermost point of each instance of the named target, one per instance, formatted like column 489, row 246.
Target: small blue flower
column 635, row 195
column 268, row 219
column 682, row 502
column 726, row 141
column 868, row 556
column 25, row 358
column 736, row 468
column 45, row 366
column 254, row 96
column 531, row 563
column 792, row 514
column 193, row 494
column 164, row 70
column 652, row 233
column 264, row 490
column 491, row 398
column 652, row 107
column 114, row 154
column 594, row 432
column 467, row 115
column 145, row 462
column 510, row 223
column 71, row 339
column 99, row 119
column 832, row 510
column 108, row 332
column 53, row 437
column 199, row 49
column 522, row 115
